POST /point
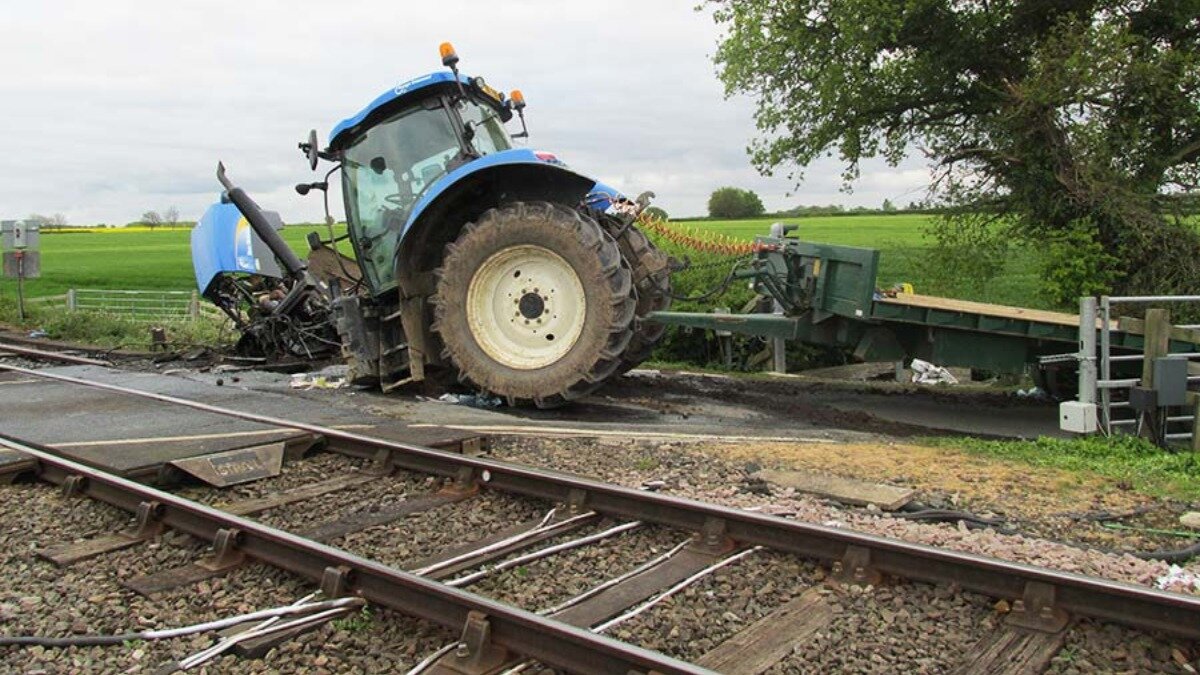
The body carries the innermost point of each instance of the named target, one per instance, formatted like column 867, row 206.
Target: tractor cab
column 395, row 151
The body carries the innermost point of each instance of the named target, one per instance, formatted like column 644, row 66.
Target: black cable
column 1171, row 555
column 921, row 512
column 74, row 641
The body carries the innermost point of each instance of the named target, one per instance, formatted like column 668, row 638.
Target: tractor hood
column 224, row 243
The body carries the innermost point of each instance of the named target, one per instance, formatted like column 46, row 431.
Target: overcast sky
column 113, row 108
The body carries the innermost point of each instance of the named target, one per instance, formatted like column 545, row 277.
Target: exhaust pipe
column 262, row 227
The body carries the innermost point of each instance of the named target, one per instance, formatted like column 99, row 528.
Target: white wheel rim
column 526, row 307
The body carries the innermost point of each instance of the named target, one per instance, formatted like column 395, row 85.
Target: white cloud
column 114, row 108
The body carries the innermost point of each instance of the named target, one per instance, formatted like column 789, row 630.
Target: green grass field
column 160, row 259
column 903, row 244
column 122, row 259
column 872, row 231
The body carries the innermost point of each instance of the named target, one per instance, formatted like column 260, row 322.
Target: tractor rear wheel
column 533, row 304
column 651, row 269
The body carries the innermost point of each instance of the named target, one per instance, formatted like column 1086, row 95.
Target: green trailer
column 828, row 295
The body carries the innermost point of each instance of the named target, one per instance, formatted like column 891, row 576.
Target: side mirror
column 312, row 151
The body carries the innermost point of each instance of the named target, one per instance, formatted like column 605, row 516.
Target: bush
column 1075, row 264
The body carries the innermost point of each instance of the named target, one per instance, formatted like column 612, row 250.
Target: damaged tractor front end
column 281, row 311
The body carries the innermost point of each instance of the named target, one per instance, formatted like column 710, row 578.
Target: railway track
column 694, row 540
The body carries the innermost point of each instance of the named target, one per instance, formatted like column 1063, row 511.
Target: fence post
column 778, row 345
column 1196, row 424
column 71, row 304
column 1157, row 342
column 194, row 305
column 1087, row 349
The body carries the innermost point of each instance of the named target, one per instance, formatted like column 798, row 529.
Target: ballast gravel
column 682, row 471
column 876, row 629
column 37, row 598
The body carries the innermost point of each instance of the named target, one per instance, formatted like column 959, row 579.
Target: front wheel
column 533, row 304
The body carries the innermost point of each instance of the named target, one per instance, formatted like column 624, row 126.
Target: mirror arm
column 524, row 129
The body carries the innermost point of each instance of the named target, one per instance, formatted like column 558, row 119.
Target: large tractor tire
column 651, row 269
column 534, row 304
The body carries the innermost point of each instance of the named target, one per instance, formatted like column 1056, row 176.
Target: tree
column 1066, row 121
column 171, row 216
column 657, row 213
column 888, row 206
column 152, row 219
column 731, row 202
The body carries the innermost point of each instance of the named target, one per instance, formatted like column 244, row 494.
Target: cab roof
column 394, row 98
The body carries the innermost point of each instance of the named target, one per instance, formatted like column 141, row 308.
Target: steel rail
column 1137, row 606
column 547, row 640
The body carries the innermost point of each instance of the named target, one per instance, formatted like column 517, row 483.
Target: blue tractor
column 494, row 264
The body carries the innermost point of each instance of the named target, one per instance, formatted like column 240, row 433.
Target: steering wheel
column 401, row 200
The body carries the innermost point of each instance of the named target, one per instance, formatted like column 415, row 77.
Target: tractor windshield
column 486, row 128
column 384, row 173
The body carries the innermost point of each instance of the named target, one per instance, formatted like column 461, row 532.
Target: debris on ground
column 925, row 372
column 473, row 400
column 1190, row 519
column 316, row 381
column 1179, row 579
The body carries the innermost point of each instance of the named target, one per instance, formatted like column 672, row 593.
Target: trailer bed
column 986, row 309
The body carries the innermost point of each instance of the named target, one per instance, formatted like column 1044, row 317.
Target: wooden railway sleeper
column 1037, row 609
column 227, row 552
column 472, row 447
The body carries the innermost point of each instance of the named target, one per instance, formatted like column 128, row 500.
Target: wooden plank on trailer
column 1129, row 324
column 986, row 309
column 772, row 638
column 1012, row 651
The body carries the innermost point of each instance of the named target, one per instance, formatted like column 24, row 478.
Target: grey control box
column 1171, row 380
column 18, row 235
